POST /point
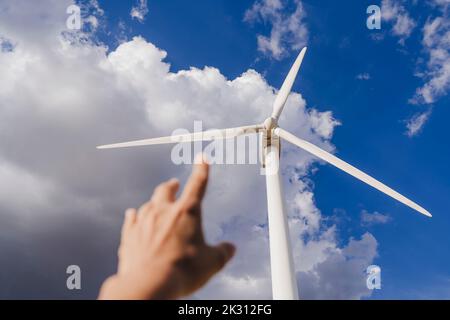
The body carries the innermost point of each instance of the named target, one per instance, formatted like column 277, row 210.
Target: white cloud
column 436, row 46
column 323, row 123
column 92, row 16
column 363, row 76
column 334, row 278
column 415, row 124
column 59, row 100
column 139, row 11
column 288, row 32
column 442, row 4
column 373, row 218
column 402, row 24
column 436, row 43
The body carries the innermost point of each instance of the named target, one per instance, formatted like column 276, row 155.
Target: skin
column 162, row 252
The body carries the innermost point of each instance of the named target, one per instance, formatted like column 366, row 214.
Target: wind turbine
column 284, row 284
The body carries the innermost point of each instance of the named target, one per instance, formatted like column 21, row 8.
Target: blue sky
column 366, row 78
column 412, row 249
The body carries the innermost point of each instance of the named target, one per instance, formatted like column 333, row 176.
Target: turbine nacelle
column 270, row 123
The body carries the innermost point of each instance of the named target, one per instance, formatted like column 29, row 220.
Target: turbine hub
column 270, row 123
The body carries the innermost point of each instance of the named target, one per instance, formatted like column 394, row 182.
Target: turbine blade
column 283, row 94
column 190, row 137
column 322, row 154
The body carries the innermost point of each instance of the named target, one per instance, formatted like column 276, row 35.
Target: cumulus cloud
column 288, row 29
column 334, row 277
column 372, row 218
column 323, row 123
column 61, row 199
column 139, row 11
column 394, row 12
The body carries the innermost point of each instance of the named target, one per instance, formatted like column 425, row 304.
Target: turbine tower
column 284, row 282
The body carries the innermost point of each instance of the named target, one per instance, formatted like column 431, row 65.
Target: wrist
column 149, row 285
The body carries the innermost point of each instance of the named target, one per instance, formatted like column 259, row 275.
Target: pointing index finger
column 196, row 185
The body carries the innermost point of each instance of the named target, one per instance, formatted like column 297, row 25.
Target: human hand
column 162, row 253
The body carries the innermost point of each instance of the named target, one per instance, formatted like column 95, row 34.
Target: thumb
column 222, row 253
